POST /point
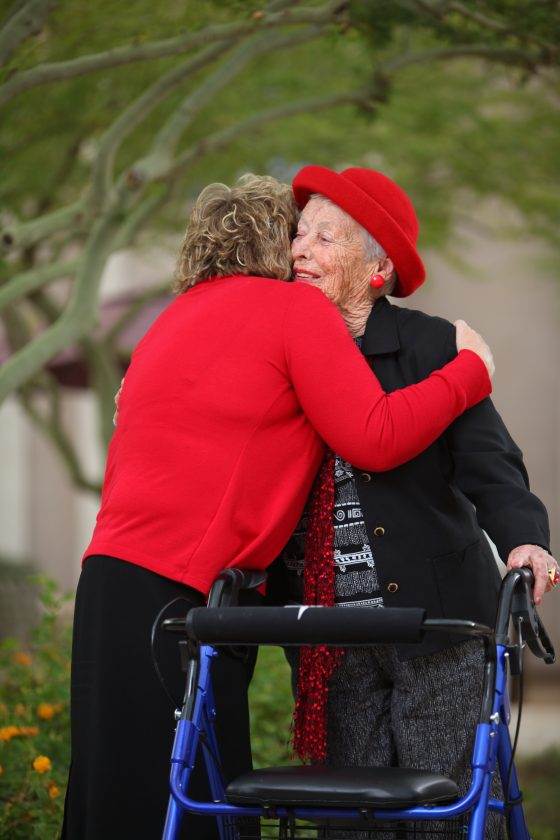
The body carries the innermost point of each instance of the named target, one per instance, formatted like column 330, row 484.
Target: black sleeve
column 489, row 471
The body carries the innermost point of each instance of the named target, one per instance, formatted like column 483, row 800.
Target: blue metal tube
column 185, row 735
column 501, row 700
column 516, row 818
column 173, row 820
column 215, row 779
column 477, row 822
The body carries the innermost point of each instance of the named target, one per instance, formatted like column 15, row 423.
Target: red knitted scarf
column 317, row 664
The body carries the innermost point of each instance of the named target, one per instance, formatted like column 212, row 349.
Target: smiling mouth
column 301, row 274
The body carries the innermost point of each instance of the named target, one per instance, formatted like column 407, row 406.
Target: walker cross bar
column 300, row 625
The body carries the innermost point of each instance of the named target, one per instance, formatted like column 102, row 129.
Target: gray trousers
column 420, row 713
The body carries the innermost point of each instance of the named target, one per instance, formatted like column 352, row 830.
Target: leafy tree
column 116, row 114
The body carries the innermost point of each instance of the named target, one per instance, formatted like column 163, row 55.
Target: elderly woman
column 411, row 536
column 223, row 419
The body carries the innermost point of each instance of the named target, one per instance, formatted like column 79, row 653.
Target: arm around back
column 344, row 401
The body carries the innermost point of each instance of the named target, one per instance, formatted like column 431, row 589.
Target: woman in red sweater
column 223, row 419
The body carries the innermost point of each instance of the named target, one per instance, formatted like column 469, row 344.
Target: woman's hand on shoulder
column 117, row 397
column 469, row 339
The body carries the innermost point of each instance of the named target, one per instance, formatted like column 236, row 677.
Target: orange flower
column 42, row 764
column 22, row 658
column 46, row 711
column 20, row 710
column 8, row 732
column 54, row 791
column 28, row 730
column 1, row 769
column 3, row 709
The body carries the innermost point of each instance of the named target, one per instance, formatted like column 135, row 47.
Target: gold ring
column 553, row 575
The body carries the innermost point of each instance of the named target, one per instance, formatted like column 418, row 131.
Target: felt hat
column 378, row 205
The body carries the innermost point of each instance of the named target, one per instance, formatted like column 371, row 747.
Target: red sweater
column 223, row 415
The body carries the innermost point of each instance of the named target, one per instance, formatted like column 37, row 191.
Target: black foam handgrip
column 304, row 625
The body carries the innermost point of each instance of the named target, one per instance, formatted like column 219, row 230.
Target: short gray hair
column 372, row 249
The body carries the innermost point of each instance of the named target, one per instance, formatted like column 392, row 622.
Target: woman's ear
column 386, row 268
column 380, row 280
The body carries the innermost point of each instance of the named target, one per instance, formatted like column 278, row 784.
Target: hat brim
column 370, row 215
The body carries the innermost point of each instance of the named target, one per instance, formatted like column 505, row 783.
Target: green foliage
column 450, row 132
column 539, row 780
column 34, row 726
column 271, row 705
column 497, row 23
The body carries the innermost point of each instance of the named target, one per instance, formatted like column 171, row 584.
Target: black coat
column 425, row 518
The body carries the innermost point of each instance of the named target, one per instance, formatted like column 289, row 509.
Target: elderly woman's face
column 328, row 251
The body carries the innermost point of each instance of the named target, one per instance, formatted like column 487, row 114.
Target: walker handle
column 516, row 602
column 225, row 589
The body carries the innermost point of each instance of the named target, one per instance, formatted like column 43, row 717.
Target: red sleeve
column 344, row 401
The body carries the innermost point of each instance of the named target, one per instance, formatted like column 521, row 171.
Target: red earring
column 377, row 281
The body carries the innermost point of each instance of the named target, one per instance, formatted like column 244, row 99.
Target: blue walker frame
column 492, row 745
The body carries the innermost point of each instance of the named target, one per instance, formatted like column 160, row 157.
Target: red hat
column 378, row 205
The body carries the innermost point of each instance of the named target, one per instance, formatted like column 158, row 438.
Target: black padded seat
column 344, row 787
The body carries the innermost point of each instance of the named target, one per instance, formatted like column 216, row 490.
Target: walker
column 293, row 802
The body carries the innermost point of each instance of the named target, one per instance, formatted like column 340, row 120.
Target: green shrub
column 540, row 782
column 271, row 704
column 34, row 726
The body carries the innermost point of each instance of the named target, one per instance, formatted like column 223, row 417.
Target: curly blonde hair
column 244, row 229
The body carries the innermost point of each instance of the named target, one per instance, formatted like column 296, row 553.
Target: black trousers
column 122, row 721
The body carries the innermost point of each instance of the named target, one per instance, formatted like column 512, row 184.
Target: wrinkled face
column 328, row 251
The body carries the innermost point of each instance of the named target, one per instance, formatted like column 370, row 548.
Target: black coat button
column 365, row 477
column 392, row 587
column 379, row 531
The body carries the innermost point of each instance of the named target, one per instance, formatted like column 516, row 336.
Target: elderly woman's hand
column 469, row 339
column 544, row 566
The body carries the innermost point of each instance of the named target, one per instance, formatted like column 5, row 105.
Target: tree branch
column 105, row 380
column 136, row 112
column 131, row 226
column 501, row 55
column 25, row 22
column 135, row 308
column 499, row 26
column 160, row 157
column 51, row 426
column 27, row 233
column 16, row 328
column 45, row 73
column 477, row 17
column 33, row 231
column 77, row 319
column 103, row 368
column 28, row 281
column 221, row 138
column 441, row 9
